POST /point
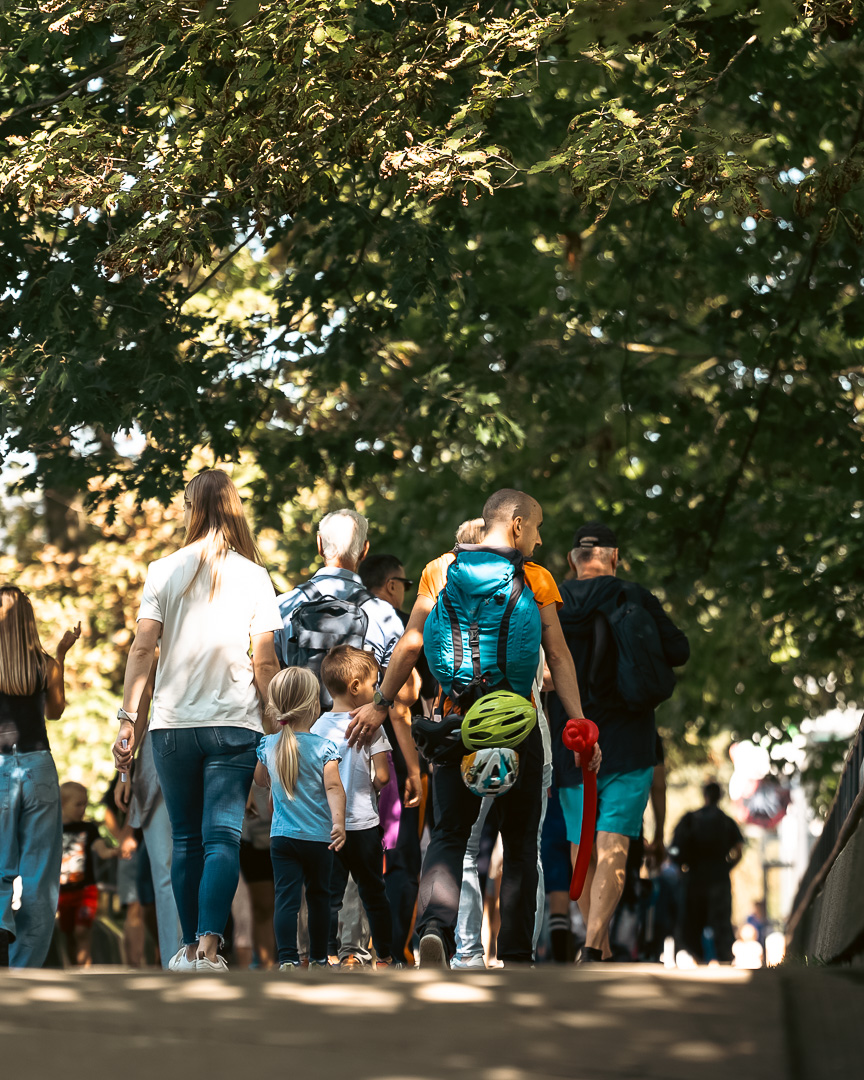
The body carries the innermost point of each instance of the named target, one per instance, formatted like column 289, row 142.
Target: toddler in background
column 79, row 894
column 302, row 770
column 350, row 676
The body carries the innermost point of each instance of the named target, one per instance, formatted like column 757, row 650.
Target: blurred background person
column 707, row 844
column 31, row 830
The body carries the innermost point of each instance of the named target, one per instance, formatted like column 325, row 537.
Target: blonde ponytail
column 292, row 697
column 287, row 760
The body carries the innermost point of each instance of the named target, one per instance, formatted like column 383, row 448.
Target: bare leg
column 263, row 896
column 150, row 921
column 83, row 956
column 134, row 935
column 493, row 916
column 208, row 945
column 604, row 885
column 71, row 947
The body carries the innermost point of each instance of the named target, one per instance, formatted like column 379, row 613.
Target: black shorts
column 255, row 864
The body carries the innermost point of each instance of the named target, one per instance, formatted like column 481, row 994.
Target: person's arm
column 680, row 847
column 138, row 668
column 366, row 720
column 103, row 850
column 381, row 771
column 736, row 849
column 123, row 790
column 55, row 675
column 336, row 800
column 112, row 824
column 676, row 647
column 264, row 664
column 560, row 664
column 261, row 776
column 400, row 717
column 128, row 842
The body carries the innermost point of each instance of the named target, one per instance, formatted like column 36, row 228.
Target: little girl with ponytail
column 302, row 771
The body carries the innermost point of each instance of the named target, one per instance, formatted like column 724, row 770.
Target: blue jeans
column 157, row 837
column 206, row 776
column 31, row 842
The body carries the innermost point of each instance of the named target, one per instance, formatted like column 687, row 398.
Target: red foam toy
column 581, row 736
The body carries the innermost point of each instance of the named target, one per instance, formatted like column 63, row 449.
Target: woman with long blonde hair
column 203, row 606
column 302, row 771
column 31, row 831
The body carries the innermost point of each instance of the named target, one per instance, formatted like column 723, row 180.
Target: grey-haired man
column 627, row 733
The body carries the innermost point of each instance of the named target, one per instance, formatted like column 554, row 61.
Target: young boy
column 350, row 676
column 79, row 894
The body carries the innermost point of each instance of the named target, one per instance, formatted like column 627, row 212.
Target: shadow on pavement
column 635, row 1022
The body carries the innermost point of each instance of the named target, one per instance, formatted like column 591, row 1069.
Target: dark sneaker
column 432, row 951
column 590, row 956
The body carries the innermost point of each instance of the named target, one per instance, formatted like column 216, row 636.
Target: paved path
column 580, row 1023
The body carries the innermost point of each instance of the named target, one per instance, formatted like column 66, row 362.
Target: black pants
column 519, row 821
column 363, row 858
column 296, row 862
column 707, row 906
column 402, row 877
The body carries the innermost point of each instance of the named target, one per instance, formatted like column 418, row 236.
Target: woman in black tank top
column 31, row 688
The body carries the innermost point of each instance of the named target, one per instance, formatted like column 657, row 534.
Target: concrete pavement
column 598, row 1022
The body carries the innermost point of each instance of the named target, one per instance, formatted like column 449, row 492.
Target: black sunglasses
column 407, row 582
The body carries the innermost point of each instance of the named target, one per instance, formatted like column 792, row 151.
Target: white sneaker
column 217, row 965
column 178, row 961
column 290, row 966
column 458, row 964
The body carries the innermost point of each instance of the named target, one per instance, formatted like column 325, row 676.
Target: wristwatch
column 379, row 699
column 123, row 715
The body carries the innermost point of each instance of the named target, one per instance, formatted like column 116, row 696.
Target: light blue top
column 307, row 815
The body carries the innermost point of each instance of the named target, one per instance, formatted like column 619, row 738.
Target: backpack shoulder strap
column 360, row 596
column 516, row 587
column 311, row 591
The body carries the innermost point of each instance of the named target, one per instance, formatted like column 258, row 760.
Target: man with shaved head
column 513, row 521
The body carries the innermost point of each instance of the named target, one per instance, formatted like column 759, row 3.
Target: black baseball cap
column 595, row 534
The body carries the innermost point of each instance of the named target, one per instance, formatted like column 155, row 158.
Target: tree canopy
column 399, row 254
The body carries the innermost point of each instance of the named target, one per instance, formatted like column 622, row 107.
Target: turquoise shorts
column 621, row 802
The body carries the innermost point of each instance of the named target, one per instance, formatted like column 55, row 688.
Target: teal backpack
column 484, row 632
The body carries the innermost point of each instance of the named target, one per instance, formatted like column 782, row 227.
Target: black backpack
column 319, row 624
column 644, row 677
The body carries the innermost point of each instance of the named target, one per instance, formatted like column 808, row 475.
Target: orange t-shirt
column 538, row 579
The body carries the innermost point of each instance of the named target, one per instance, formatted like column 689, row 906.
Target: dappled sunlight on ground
column 638, row 1022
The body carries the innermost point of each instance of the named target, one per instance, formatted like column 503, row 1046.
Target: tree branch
column 70, row 90
column 214, row 272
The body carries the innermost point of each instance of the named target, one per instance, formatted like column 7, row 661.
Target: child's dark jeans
column 363, row 858
column 296, row 862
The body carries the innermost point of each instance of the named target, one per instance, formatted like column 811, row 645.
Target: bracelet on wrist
column 123, row 715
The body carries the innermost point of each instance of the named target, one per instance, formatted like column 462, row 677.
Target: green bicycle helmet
column 498, row 720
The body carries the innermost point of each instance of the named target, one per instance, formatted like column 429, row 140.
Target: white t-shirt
column 204, row 677
column 355, row 769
